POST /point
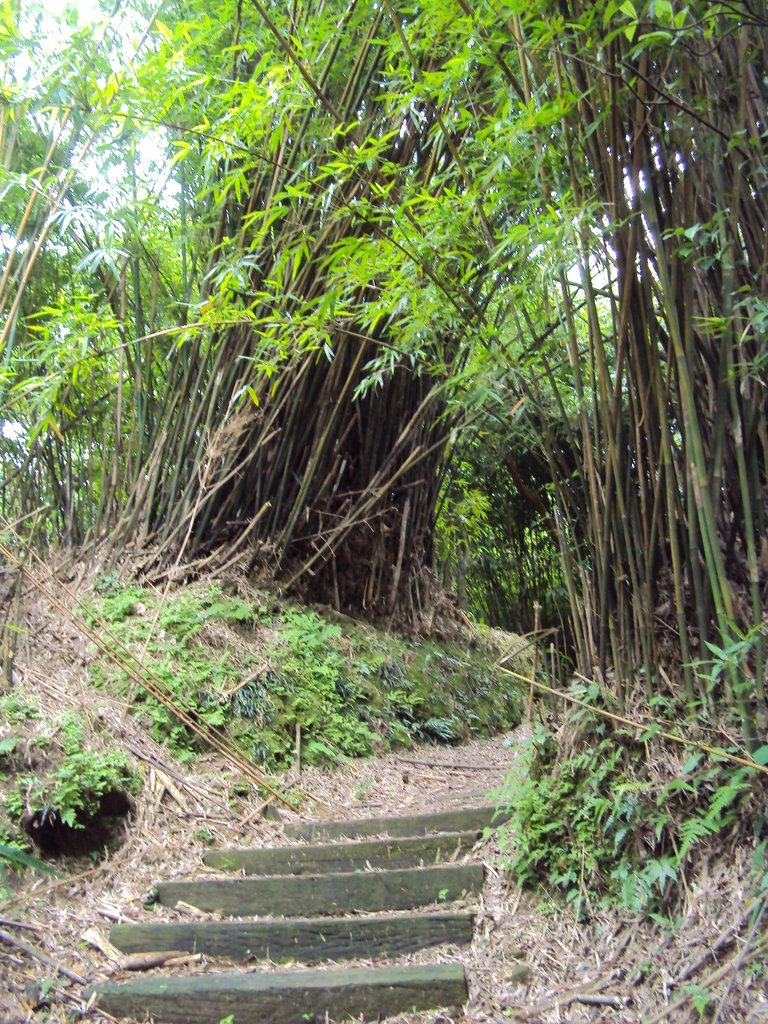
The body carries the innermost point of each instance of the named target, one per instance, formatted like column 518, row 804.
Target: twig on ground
column 742, row 956
column 424, row 763
column 588, row 994
column 159, row 958
column 171, row 773
column 19, row 924
column 38, row 954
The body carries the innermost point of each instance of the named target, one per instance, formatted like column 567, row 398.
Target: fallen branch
column 161, row 958
column 38, row 954
column 588, row 994
column 709, row 980
column 617, row 1001
column 19, row 924
column 723, row 941
column 442, row 764
column 741, row 959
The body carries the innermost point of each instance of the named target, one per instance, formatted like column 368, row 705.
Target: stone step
column 337, row 893
column 334, row 857
column 285, row 997
column 304, row 939
column 465, row 819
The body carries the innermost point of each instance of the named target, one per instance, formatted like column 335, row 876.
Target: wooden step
column 306, row 940
column 301, row 895
column 465, row 819
column 285, row 997
column 318, row 859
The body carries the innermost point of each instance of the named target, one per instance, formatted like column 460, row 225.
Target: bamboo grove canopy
column 388, row 228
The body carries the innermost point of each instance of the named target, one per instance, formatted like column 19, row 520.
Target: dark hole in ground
column 95, row 833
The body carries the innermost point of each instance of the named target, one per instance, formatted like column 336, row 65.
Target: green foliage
column 17, row 707
column 72, row 780
column 16, row 857
column 71, row 793
column 311, row 685
column 257, row 671
column 584, row 827
column 117, row 602
column 701, row 997
column 561, row 836
column 200, row 177
column 492, row 547
column 483, row 267
column 463, row 515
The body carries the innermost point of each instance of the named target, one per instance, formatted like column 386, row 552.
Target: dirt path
column 531, row 960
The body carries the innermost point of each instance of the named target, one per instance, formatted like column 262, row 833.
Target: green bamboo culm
column 663, row 135
column 389, row 226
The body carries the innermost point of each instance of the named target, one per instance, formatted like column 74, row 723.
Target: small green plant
column 15, row 857
column 585, row 828
column 7, row 745
column 72, row 792
column 701, row 998
column 17, row 707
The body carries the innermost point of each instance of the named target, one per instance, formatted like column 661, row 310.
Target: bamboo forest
column 383, row 397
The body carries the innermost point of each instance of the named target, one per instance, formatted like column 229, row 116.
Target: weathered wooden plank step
column 305, row 939
column 465, row 819
column 338, row 893
column 285, row 997
column 299, row 860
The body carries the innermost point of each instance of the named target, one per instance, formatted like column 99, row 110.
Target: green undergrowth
column 257, row 667
column 618, row 821
column 55, row 778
